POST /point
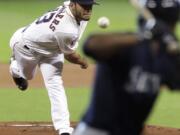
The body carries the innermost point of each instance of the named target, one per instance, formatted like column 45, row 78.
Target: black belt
column 29, row 49
column 25, row 46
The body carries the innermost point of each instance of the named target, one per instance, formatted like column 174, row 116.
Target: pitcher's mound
column 46, row 128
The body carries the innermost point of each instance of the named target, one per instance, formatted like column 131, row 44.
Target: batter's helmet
column 165, row 10
column 85, row 2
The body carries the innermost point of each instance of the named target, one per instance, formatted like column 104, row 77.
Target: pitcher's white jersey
column 57, row 31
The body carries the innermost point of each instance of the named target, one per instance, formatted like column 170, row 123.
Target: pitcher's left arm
column 76, row 59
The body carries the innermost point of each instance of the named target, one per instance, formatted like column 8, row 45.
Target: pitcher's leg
column 21, row 82
column 51, row 70
column 13, row 68
column 24, row 62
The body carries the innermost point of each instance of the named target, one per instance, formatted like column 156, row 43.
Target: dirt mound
column 46, row 128
column 73, row 76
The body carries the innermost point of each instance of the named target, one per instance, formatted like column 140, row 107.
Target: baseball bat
column 172, row 44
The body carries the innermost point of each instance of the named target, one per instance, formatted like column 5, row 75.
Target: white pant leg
column 84, row 129
column 51, row 69
column 14, row 69
column 16, row 37
column 25, row 62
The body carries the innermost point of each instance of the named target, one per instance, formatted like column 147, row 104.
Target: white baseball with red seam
column 103, row 22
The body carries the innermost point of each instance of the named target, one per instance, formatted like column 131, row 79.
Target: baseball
column 103, row 22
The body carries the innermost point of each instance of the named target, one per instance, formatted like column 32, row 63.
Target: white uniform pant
column 26, row 63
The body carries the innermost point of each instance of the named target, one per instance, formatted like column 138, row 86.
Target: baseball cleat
column 65, row 134
column 21, row 83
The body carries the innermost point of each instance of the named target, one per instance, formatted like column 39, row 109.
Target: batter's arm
column 104, row 46
column 76, row 59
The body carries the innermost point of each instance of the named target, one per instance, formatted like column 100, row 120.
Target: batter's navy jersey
column 126, row 87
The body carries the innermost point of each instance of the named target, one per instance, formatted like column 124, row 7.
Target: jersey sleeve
column 67, row 42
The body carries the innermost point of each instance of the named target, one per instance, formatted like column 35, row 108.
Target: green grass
column 33, row 105
column 24, row 106
column 167, row 110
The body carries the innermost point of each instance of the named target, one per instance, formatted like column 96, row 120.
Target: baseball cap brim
column 86, row 2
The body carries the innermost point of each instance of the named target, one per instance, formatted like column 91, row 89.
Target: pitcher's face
column 85, row 11
column 82, row 11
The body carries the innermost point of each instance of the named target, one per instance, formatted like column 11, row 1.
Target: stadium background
column 33, row 105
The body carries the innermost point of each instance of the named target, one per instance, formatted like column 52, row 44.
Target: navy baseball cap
column 86, row 2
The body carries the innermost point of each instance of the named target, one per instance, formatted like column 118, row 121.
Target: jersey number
column 45, row 18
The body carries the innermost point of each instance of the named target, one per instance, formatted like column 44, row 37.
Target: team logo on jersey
column 141, row 81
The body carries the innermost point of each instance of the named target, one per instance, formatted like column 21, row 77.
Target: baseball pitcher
column 44, row 44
